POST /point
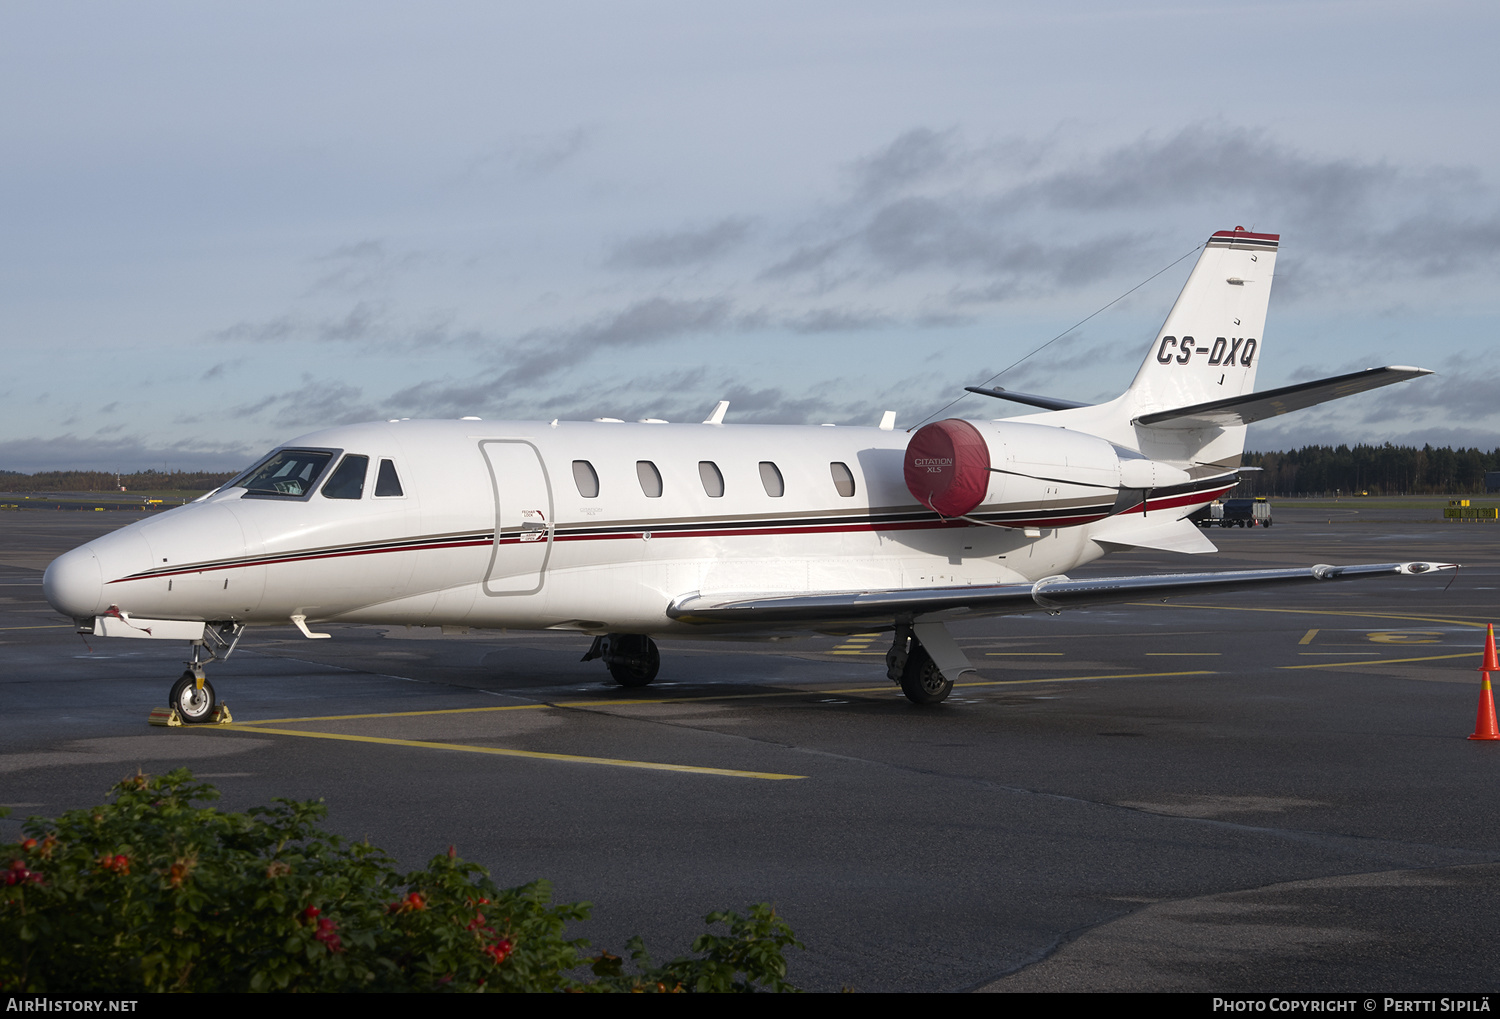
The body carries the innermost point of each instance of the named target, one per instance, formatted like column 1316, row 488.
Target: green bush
column 150, row 893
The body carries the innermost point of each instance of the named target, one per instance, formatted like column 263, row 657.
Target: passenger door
column 523, row 517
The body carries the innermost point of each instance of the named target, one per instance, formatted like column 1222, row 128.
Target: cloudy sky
column 222, row 225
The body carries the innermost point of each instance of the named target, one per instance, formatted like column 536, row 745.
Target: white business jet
column 628, row 531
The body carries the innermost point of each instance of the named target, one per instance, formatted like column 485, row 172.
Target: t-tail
column 1193, row 396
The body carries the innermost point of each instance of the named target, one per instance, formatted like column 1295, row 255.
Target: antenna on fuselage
column 717, row 417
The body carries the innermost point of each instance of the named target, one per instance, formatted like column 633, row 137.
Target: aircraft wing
column 1242, row 410
column 1050, row 594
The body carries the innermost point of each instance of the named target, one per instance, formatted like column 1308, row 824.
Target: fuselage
column 599, row 526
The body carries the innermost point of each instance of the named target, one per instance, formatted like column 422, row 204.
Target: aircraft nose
column 74, row 584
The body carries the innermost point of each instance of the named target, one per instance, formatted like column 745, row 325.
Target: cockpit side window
column 387, row 483
column 348, row 482
column 287, row 473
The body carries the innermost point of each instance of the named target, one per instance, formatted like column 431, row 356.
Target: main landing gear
column 193, row 695
column 908, row 663
column 632, row 658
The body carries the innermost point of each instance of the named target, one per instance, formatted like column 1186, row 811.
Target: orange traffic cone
column 1491, row 663
column 1484, row 725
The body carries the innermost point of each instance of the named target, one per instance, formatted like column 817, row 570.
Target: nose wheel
column 193, row 697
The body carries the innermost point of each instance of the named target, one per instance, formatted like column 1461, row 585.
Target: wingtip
column 1415, row 569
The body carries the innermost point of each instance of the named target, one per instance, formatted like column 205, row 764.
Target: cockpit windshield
column 289, row 473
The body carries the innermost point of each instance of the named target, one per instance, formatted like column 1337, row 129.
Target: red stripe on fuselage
column 1201, row 498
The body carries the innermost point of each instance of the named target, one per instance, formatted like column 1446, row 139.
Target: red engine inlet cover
column 948, row 467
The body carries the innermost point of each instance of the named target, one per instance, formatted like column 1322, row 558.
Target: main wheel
column 633, row 660
column 192, row 704
column 921, row 680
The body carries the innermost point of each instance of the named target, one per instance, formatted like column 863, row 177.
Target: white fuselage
column 495, row 526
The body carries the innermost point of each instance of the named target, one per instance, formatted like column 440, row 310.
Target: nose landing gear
column 192, row 696
column 632, row 658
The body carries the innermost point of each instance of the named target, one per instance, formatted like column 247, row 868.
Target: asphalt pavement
column 1252, row 792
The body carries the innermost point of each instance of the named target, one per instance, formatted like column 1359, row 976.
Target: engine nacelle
column 954, row 467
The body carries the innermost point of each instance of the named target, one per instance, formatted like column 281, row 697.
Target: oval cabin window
column 650, row 478
column 586, row 479
column 843, row 479
column 770, row 477
column 713, row 481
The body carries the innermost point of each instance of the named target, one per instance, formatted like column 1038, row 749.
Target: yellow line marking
column 534, row 754
column 1183, row 654
column 1307, row 638
column 1384, row 661
column 856, row 652
column 49, row 626
column 1306, row 612
column 393, row 714
column 1025, row 682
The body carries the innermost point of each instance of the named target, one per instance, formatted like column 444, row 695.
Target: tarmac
column 1236, row 793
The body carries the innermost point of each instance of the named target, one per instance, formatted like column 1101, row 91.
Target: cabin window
column 288, row 473
column 586, row 479
column 770, row 477
column 713, row 481
column 387, row 484
column 348, row 481
column 650, row 478
column 843, row 479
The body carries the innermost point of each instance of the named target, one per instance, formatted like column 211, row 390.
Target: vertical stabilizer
column 1208, row 349
column 1210, row 345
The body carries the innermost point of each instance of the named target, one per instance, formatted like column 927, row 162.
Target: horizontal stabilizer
column 1243, row 410
column 1134, row 531
column 1044, row 402
column 1050, row 594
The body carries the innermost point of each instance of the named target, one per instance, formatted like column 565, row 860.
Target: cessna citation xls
column 629, row 531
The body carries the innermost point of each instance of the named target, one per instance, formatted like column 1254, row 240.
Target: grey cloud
column 361, row 323
column 912, row 157
column 283, row 327
column 69, row 452
column 360, row 267
column 217, row 370
column 536, row 356
column 364, row 321
column 534, row 155
column 1464, row 394
column 541, row 354
column 317, row 402
column 680, row 248
column 1010, row 227
column 837, row 320
column 540, row 154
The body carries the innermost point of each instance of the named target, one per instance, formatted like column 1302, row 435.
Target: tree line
column 104, row 481
column 1379, row 470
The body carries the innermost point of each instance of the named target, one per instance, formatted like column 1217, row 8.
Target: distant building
column 1492, row 481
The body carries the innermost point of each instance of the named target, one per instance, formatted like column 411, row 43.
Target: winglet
column 717, row 417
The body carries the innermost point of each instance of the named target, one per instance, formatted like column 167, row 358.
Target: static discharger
column 1484, row 725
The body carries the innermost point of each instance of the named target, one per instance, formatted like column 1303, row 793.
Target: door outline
column 525, row 512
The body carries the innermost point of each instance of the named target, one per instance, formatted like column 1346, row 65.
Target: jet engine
column 954, row 467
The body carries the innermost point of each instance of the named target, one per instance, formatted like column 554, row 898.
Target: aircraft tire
column 634, row 659
column 193, row 706
column 921, row 680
